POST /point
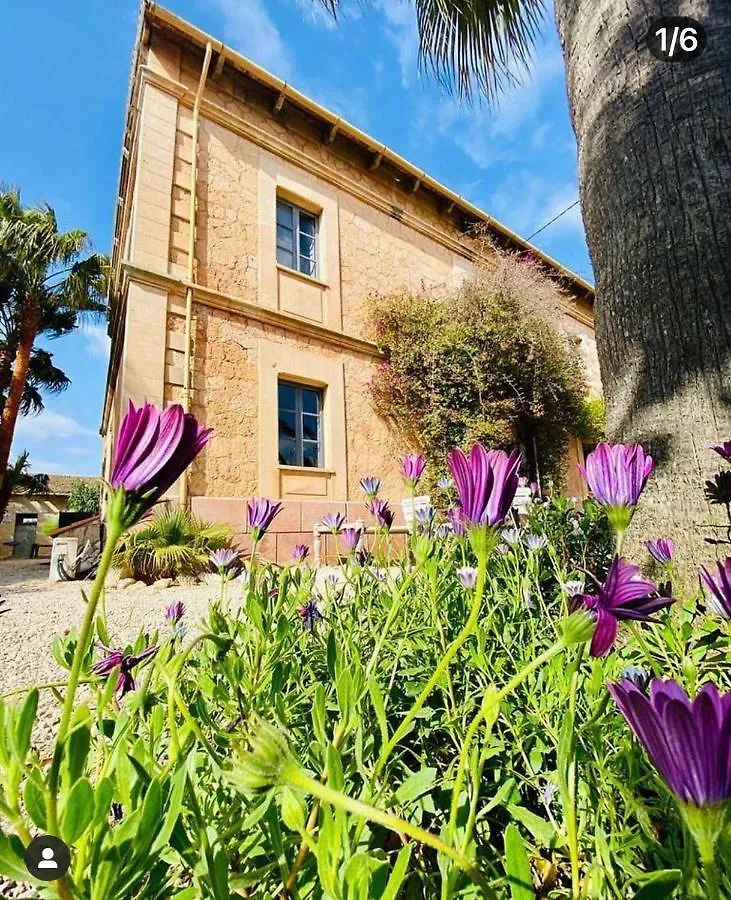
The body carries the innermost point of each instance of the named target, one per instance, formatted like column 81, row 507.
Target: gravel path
column 39, row 610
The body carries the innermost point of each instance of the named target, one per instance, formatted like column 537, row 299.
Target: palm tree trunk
column 28, row 332
column 654, row 142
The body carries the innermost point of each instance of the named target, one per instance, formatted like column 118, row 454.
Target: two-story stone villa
column 251, row 227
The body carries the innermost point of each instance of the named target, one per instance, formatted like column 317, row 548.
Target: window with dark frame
column 297, row 238
column 300, row 425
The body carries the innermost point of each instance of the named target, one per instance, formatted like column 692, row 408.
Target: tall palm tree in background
column 654, row 145
column 47, row 279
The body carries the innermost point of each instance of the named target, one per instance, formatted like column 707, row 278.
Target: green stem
column 395, row 606
column 114, row 532
column 571, row 823
column 443, row 666
column 296, row 778
column 637, row 634
column 712, row 879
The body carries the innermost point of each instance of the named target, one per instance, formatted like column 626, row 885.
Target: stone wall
column 378, row 236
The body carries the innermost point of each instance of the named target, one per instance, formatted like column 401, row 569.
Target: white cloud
column 526, row 201
column 249, row 29
column 403, row 33
column 50, row 426
column 97, row 340
column 493, row 134
column 315, row 13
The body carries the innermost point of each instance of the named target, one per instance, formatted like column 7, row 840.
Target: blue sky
column 64, row 69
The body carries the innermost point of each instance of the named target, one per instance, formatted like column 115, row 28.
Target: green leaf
column 335, row 776
column 542, row 831
column 660, row 885
column 103, row 796
column 77, row 750
column 398, row 873
column 12, row 864
column 294, row 810
column 517, row 865
column 24, row 725
column 379, row 709
column 332, row 654
column 151, row 811
column 416, row 784
column 319, row 715
column 35, row 803
column 78, row 811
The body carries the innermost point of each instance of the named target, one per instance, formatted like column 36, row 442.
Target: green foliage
column 18, row 480
column 201, row 781
column 172, row 544
column 83, row 498
column 482, row 365
column 592, row 423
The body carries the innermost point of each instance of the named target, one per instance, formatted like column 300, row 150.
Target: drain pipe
column 187, row 362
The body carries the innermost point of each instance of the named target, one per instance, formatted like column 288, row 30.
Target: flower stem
column 571, row 823
column 296, row 778
column 114, row 532
column 441, row 668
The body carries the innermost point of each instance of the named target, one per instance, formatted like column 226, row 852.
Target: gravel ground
column 39, row 610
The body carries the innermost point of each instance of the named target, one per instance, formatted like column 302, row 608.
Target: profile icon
column 47, row 860
column 47, row 857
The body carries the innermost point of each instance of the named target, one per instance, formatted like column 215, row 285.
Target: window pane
column 285, row 238
column 310, row 430
column 287, row 452
column 307, row 246
column 310, row 401
column 308, row 223
column 310, row 454
column 286, row 424
column 286, row 396
column 308, row 267
column 285, row 214
column 285, row 258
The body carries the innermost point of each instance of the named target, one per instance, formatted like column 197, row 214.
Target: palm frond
column 474, row 46
column 478, row 45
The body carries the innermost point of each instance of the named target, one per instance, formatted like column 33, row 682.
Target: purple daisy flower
column 468, row 577
column 333, row 521
column 424, row 517
column 536, row 542
column 299, row 552
column 174, row 612
column 412, row 467
column 486, row 482
column 154, row 447
column 625, row 594
column 310, row 615
column 225, row 561
column 723, row 450
column 261, row 515
column 689, row 742
column 370, row 485
column 382, row 511
column 661, row 549
column 617, row 475
column 351, row 537
column 456, row 520
column 116, row 659
column 719, row 588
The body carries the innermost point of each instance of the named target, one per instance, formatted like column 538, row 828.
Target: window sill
column 302, row 277
column 306, row 470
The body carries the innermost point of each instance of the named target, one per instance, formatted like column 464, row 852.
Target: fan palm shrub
column 172, row 544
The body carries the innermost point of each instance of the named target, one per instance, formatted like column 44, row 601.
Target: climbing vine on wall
column 484, row 364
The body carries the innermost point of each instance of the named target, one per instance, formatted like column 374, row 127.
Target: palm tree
column 654, row 144
column 46, row 281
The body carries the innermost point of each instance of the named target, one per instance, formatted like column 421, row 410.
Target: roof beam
column 219, row 63
column 416, row 185
column 333, row 132
column 279, row 103
column 376, row 162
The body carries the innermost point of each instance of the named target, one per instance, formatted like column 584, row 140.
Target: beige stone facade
column 382, row 227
